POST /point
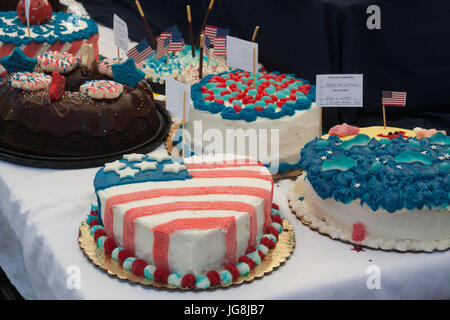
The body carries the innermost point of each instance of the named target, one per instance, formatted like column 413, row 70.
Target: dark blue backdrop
column 409, row 53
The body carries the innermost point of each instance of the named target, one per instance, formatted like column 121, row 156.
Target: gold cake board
column 274, row 259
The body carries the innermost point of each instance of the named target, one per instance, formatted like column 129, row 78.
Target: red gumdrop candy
column 279, row 104
column 57, row 87
column 138, row 267
column 259, row 108
column 214, row 277
column 188, row 281
column 204, row 89
column 241, row 95
column 210, row 97
column 221, row 85
column 224, row 92
column 220, row 101
column 237, row 107
column 359, row 232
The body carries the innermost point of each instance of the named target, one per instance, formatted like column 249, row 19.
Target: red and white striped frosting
column 34, row 49
column 191, row 225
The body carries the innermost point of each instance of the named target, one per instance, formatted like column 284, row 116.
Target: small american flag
column 163, row 44
column 220, row 44
column 176, row 43
column 206, row 45
column 393, row 98
column 141, row 51
column 211, row 32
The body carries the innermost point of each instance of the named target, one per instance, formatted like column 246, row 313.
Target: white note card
column 339, row 90
column 174, row 97
column 240, row 54
column 120, row 33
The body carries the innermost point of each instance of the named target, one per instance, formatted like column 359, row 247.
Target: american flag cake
column 186, row 216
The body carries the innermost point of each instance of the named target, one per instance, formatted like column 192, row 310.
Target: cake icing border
column 249, row 268
column 301, row 211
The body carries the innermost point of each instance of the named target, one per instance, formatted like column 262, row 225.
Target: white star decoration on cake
column 127, row 173
column 446, row 155
column 323, row 158
column 399, row 167
column 330, row 152
column 425, row 152
column 433, row 147
column 357, row 185
column 114, row 166
column 146, row 165
column 158, row 156
column 133, row 157
column 173, row 167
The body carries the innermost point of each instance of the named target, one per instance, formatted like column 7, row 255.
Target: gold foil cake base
column 274, row 259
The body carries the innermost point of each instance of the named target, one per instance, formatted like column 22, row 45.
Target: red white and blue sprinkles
column 30, row 81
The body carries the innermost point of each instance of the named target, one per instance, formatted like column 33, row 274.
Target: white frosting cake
column 290, row 134
column 270, row 120
column 186, row 216
column 386, row 193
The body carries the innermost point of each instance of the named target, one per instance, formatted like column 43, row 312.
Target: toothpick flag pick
column 220, row 43
column 392, row 98
column 176, row 41
column 163, row 43
column 140, row 52
column 211, row 32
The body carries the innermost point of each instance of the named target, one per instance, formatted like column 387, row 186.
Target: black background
column 411, row 51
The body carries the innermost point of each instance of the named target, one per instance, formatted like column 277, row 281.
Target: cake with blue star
column 382, row 188
column 195, row 222
column 54, row 106
column 47, row 31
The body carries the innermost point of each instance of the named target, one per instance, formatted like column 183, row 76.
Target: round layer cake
column 64, row 32
column 180, row 66
column 187, row 216
column 380, row 188
column 270, row 122
column 92, row 115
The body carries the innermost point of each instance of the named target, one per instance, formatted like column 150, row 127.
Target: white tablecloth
column 41, row 211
